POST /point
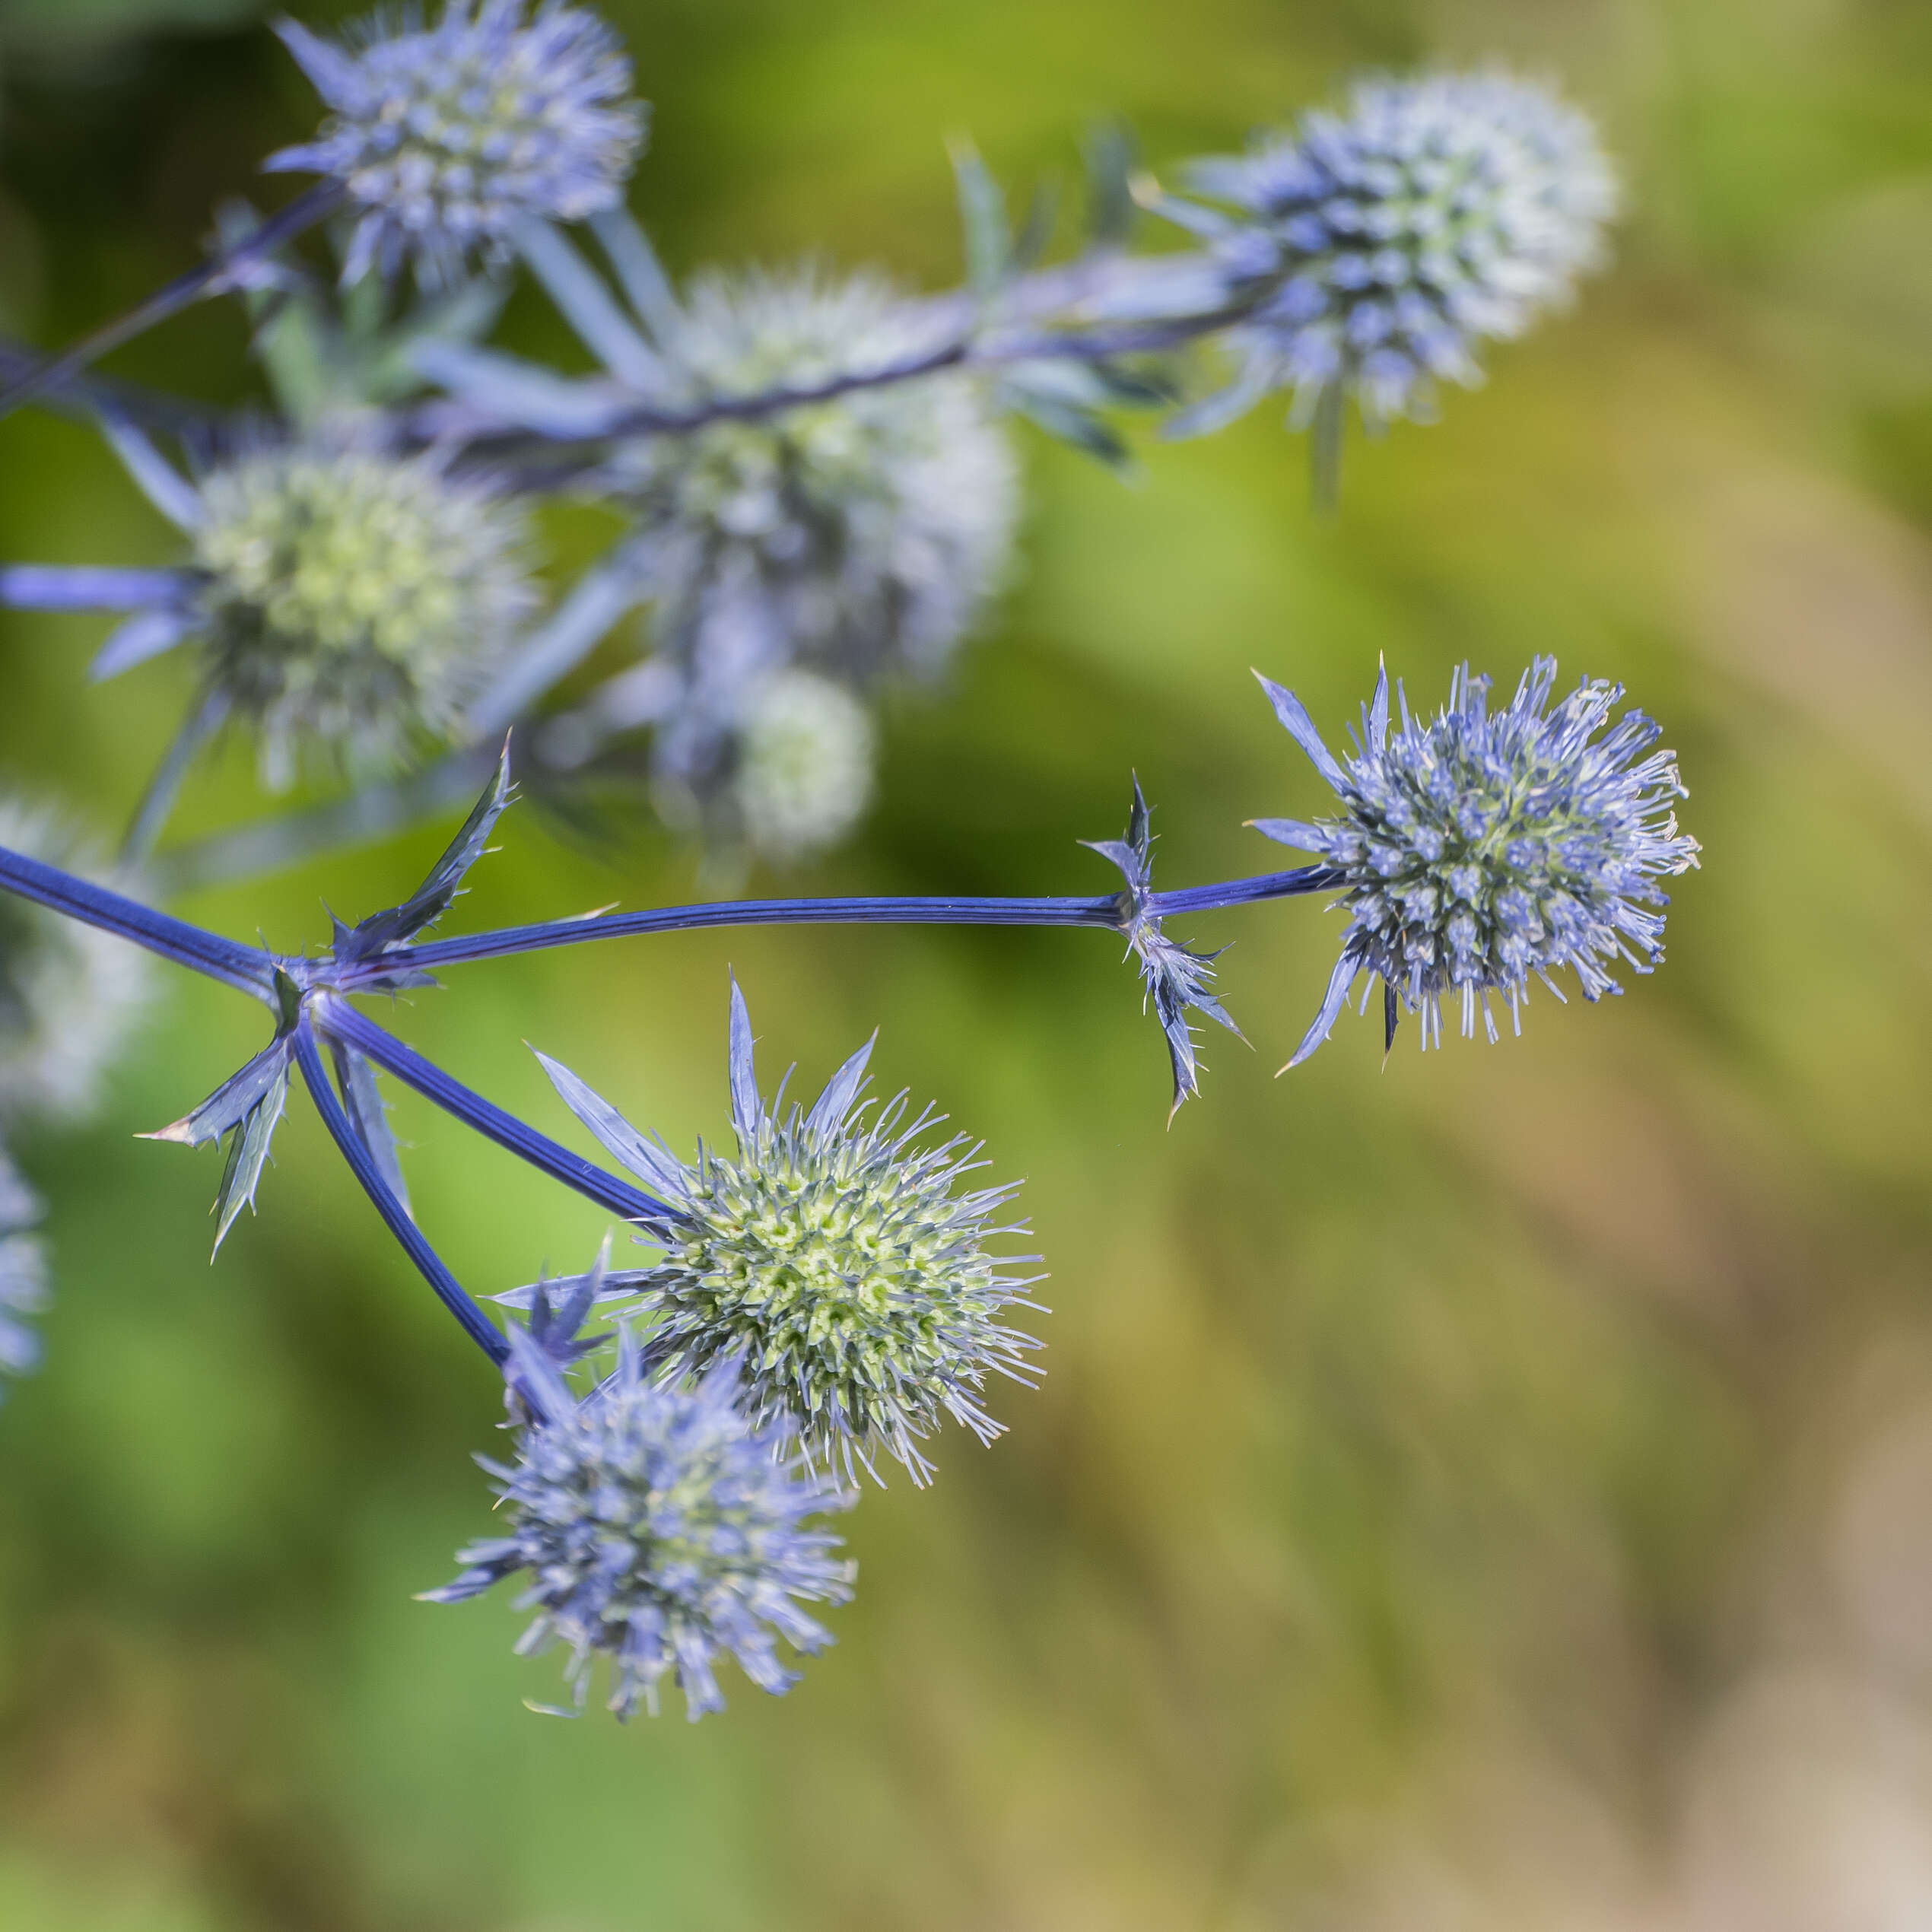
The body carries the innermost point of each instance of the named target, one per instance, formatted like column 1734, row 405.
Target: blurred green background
column 1494, row 1492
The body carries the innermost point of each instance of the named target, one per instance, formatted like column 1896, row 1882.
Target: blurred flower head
column 862, row 533
column 660, row 1530
column 351, row 597
column 805, row 766
column 1380, row 244
column 838, row 1260
column 69, row 993
column 1477, row 849
column 22, row 1272
column 446, row 138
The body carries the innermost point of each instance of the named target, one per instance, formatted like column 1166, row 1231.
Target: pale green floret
column 353, row 597
column 805, row 774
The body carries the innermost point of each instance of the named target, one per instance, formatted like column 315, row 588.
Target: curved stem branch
column 242, row 967
column 207, row 278
column 344, row 1023
column 362, row 1163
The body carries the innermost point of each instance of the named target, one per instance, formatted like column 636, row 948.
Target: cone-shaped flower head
column 69, row 993
column 1380, row 244
column 446, row 138
column 1477, row 848
column 660, row 1529
column 863, row 532
column 835, row 1258
column 351, row 598
column 23, row 1274
column 805, row 766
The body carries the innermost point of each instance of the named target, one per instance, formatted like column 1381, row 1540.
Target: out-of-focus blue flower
column 344, row 596
column 1377, row 246
column 70, row 995
column 857, row 536
column 1176, row 980
column 23, row 1274
column 1478, row 848
column 835, row 1258
column 660, row 1530
column 447, row 138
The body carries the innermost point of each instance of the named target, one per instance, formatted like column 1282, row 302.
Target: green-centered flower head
column 805, row 766
column 69, row 993
column 353, row 597
column 835, row 1259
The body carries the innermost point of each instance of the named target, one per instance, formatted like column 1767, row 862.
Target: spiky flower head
column 835, row 1258
column 23, row 1274
column 69, row 993
column 805, row 766
column 1475, row 848
column 352, row 597
column 862, row 533
column 446, row 138
column 1176, row 980
column 1380, row 244
column 660, row 1530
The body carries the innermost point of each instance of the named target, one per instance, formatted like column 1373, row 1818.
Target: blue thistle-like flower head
column 1477, row 848
column 351, row 597
column 446, row 138
column 23, row 1274
column 660, row 1530
column 1380, row 244
column 835, row 1258
column 70, row 995
column 1177, row 980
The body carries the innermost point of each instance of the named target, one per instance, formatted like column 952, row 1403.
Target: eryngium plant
column 1475, row 848
column 835, row 1259
column 660, row 1530
column 69, row 995
column 805, row 766
column 444, row 138
column 1379, row 246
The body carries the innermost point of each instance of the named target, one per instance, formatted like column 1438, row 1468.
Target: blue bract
column 660, row 1529
column 1477, row 848
column 1380, row 244
column 446, row 138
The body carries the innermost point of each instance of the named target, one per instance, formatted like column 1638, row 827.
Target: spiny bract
column 660, row 1530
column 834, row 1259
column 1379, row 244
column 1477, row 849
column 446, row 138
column 69, row 993
column 353, row 597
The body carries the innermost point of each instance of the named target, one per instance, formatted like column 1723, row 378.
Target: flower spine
column 1478, row 848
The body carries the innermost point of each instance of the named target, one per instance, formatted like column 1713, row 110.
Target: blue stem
column 1104, row 913
column 343, row 1022
column 235, row 965
column 474, row 1323
column 209, row 278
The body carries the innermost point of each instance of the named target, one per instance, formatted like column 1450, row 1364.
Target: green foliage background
column 1441, row 1469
